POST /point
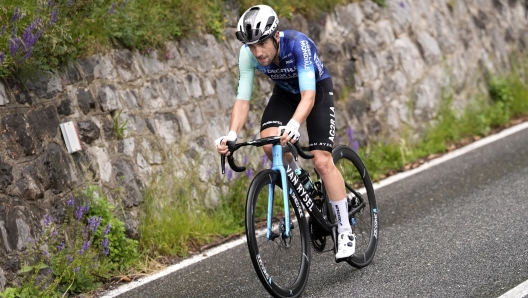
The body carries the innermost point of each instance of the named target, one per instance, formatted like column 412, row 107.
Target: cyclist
column 303, row 92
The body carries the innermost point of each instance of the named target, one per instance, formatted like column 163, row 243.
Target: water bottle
column 307, row 183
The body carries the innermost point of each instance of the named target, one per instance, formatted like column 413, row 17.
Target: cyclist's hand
column 221, row 145
column 291, row 132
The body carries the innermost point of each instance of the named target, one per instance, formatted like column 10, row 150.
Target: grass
column 46, row 35
column 179, row 215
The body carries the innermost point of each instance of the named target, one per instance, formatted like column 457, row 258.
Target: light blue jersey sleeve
column 246, row 70
column 305, row 65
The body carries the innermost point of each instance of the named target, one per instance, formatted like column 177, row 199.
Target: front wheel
column 362, row 208
column 282, row 262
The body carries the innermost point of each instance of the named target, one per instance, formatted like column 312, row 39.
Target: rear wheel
column 362, row 208
column 282, row 262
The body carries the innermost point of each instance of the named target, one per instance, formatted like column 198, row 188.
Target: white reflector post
column 71, row 136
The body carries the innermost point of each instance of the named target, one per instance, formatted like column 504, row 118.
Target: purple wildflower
column 48, row 219
column 84, row 247
column 81, row 210
column 112, row 9
column 50, row 2
column 55, row 234
column 94, row 223
column 14, row 18
column 2, row 57
column 229, row 174
column 70, row 3
column 351, row 141
column 70, row 202
column 54, row 15
column 402, row 5
column 124, row 3
column 61, row 246
column 104, row 244
column 107, row 229
column 77, row 269
column 249, row 173
column 264, row 160
column 45, row 253
column 14, row 43
column 69, row 259
column 30, row 240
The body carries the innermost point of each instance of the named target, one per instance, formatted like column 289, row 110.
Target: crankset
column 318, row 241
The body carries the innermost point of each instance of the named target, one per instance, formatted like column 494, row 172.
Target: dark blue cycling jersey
column 299, row 68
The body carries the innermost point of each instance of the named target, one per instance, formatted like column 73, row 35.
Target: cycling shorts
column 320, row 123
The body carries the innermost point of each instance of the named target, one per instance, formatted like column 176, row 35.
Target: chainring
column 318, row 241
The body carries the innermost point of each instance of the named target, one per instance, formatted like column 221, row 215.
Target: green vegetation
column 77, row 255
column 120, row 127
column 180, row 215
column 44, row 35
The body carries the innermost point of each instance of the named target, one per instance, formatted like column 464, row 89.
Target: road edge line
column 520, row 291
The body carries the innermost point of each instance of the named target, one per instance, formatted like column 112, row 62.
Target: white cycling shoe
column 346, row 245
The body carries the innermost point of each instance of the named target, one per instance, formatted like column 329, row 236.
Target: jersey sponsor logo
column 283, row 76
column 307, row 54
column 310, row 74
column 319, row 65
column 281, row 70
column 289, row 61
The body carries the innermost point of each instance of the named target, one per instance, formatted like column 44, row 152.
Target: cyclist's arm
column 305, row 106
column 306, row 77
column 246, row 69
column 239, row 115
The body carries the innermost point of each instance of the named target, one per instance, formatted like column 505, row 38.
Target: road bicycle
column 281, row 222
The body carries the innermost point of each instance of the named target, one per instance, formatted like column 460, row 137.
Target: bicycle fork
column 278, row 166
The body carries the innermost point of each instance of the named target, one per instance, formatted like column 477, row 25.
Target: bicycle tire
column 282, row 264
column 364, row 223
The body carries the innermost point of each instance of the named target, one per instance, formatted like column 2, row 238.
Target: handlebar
column 274, row 140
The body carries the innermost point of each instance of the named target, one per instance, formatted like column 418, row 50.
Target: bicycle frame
column 290, row 181
column 296, row 190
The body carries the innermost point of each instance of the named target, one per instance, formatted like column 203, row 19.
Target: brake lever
column 293, row 150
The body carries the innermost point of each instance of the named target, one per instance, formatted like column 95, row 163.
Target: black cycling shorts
column 320, row 123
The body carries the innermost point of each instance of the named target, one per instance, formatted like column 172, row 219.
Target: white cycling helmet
column 257, row 24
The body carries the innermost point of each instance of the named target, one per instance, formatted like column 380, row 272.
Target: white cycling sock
column 341, row 212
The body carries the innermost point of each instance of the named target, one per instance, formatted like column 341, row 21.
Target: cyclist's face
column 263, row 51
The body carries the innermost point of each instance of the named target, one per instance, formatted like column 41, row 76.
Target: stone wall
column 391, row 68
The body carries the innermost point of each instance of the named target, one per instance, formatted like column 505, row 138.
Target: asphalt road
column 458, row 229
